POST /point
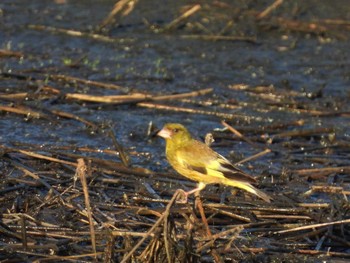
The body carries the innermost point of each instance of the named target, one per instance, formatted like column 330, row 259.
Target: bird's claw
column 183, row 196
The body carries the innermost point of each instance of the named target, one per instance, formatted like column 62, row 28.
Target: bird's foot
column 183, row 196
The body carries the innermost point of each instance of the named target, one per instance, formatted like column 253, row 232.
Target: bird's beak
column 164, row 133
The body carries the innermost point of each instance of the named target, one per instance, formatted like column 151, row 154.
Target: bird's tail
column 249, row 188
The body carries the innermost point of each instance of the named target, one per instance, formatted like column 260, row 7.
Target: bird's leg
column 184, row 196
column 200, row 187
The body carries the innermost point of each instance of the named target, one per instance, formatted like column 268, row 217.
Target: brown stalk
column 42, row 93
column 134, row 98
column 269, row 9
column 314, row 205
column 81, row 173
column 23, row 111
column 220, row 38
column 76, row 33
column 183, row 17
column 87, row 82
column 303, row 133
column 130, row 233
column 340, row 222
column 122, row 154
column 44, row 258
column 327, row 189
column 213, row 251
column 44, row 157
column 294, row 251
column 240, row 135
column 159, row 221
column 74, row 117
column 323, row 171
column 115, row 99
column 118, row 7
column 295, row 25
column 109, row 249
column 50, row 148
column 232, row 215
column 253, row 157
column 10, row 53
column 183, row 95
column 14, row 96
column 190, row 110
column 34, row 176
column 300, row 217
column 24, row 233
column 6, row 231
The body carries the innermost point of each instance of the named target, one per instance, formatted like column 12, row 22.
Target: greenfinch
column 196, row 161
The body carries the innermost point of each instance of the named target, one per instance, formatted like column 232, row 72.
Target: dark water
column 143, row 61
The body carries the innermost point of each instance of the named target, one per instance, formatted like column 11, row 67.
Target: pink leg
column 200, row 187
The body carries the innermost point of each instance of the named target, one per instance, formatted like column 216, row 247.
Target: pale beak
column 164, row 133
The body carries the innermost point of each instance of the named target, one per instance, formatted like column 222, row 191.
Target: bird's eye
column 175, row 130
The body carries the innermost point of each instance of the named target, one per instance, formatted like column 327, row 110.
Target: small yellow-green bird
column 196, row 161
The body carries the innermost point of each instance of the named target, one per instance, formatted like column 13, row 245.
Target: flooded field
column 84, row 85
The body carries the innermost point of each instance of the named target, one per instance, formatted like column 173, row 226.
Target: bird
column 198, row 162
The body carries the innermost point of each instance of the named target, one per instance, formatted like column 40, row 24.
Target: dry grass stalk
column 115, row 99
column 81, row 173
column 240, row 135
column 340, row 222
column 210, row 244
column 183, row 95
column 152, row 229
column 10, row 53
column 87, row 82
column 269, row 9
column 221, row 38
column 134, row 98
column 34, row 176
column 44, row 157
column 75, row 117
column 23, row 111
column 190, row 110
column 183, row 17
column 42, row 93
column 253, row 157
column 122, row 154
column 76, row 33
column 322, row 171
column 126, row 5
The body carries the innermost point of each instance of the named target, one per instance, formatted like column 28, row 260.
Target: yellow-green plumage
column 196, row 161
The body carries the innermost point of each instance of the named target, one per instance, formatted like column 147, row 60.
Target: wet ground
column 283, row 83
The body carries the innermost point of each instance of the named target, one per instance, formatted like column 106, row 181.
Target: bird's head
column 175, row 133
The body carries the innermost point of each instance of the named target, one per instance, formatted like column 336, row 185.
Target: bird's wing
column 232, row 172
column 199, row 157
